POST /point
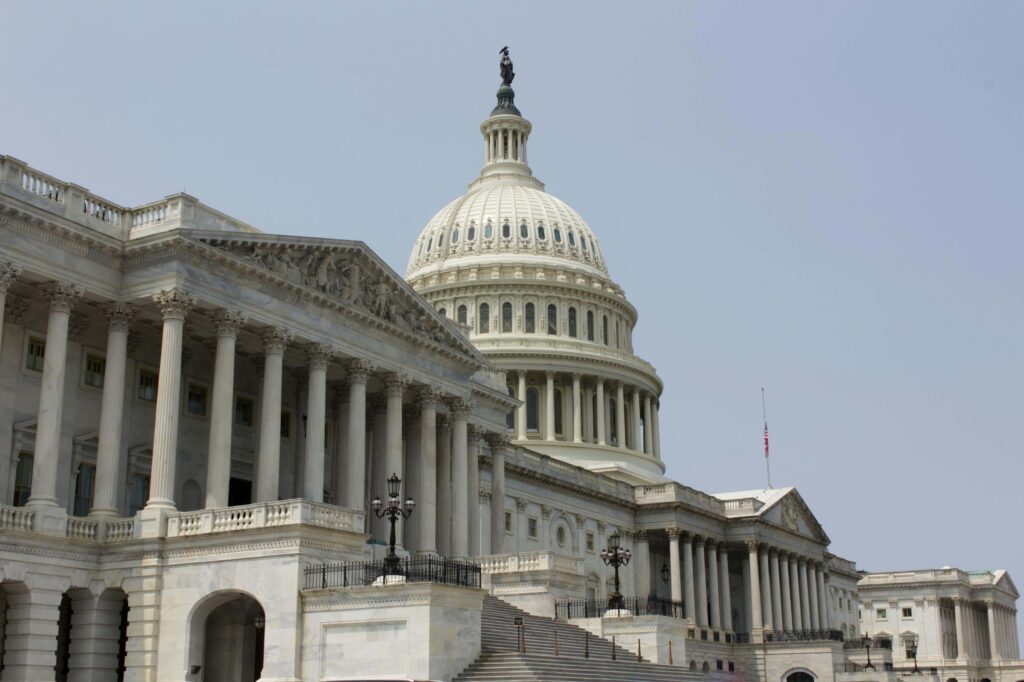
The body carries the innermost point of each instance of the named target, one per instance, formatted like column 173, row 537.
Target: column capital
column 550, row 373
column 641, row 534
column 751, row 545
column 711, row 543
column 957, row 600
column 545, row 511
column 460, row 407
column 395, row 384
column 673, row 532
column 580, row 520
column 319, row 354
column 430, row 396
column 698, row 539
column 174, row 304
column 276, row 339
column 62, row 295
column 687, row 537
column 485, row 494
column 228, row 322
column 576, row 376
column 119, row 315
column 498, row 441
column 359, row 370
column 521, row 503
column 475, row 431
column 8, row 273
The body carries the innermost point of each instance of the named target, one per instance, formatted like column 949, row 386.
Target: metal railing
column 803, row 635
column 876, row 643
column 421, row 570
column 638, row 606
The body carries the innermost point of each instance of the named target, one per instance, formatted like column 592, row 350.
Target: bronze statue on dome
column 505, row 65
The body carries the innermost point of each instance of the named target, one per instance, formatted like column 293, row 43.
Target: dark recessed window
column 572, row 322
column 541, row 234
column 462, row 312
column 552, row 319
column 484, row 323
column 531, row 318
column 506, row 318
column 506, row 231
column 471, row 233
column 590, row 325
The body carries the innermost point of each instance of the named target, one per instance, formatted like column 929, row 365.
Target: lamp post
column 614, row 555
column 866, row 641
column 393, row 510
column 912, row 650
column 664, row 573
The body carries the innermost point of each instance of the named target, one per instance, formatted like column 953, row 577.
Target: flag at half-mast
column 766, row 440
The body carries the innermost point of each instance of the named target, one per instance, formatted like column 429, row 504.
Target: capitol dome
column 525, row 276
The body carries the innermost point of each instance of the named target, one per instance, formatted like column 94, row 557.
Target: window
column 572, row 238
column 84, row 484
column 560, row 535
column 531, row 410
column 484, row 323
column 506, row 230
column 455, row 236
column 531, row 318
column 440, row 241
column 243, row 411
column 558, row 411
column 617, row 333
column 443, row 312
column 613, row 424
column 524, row 231
column 430, row 243
column 541, row 233
column 590, row 325
column 286, row 424
column 94, row 367
column 583, row 241
column 531, row 527
column 552, row 319
column 138, row 493
column 471, row 233
column 195, row 401
column 590, row 542
column 147, row 385
column 35, row 354
column 508, row 522
column 604, row 328
column 558, row 235
column 880, row 614
column 462, row 314
column 23, row 479
column 506, row 317
column 488, row 230
column 572, row 322
column 908, row 612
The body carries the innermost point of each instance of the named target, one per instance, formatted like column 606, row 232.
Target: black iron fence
column 420, row 570
column 638, row 606
column 803, row 636
column 876, row 643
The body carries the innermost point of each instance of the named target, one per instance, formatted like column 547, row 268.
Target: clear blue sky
column 821, row 198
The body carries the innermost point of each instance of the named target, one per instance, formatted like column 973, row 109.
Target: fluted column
column 427, row 510
column 812, row 593
column 794, row 587
column 444, row 485
column 62, row 297
column 637, row 428
column 755, row 586
column 577, row 412
column 773, row 569
column 787, row 595
column 355, row 452
column 394, row 387
column 673, row 566
column 108, row 450
column 521, row 421
column 460, row 478
column 824, row 611
column 620, row 416
column 648, row 426
column 725, row 588
column 700, row 564
column 716, row 604
column 958, row 614
column 473, row 489
column 993, row 635
column 766, row 590
column 602, row 433
column 498, row 445
column 222, row 413
column 377, row 463
column 549, row 406
column 643, row 564
column 173, row 304
column 319, row 355
column 8, row 273
column 689, row 594
column 268, row 460
column 805, row 605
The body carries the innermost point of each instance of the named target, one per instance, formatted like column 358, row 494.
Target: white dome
column 510, row 220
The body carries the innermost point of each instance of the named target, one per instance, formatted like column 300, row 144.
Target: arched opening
column 613, row 425
column 64, row 614
column 462, row 314
column 226, row 638
column 798, row 676
column 552, row 319
column 705, row 666
column 191, row 496
column 531, row 318
column 506, row 317
column 572, row 322
column 484, row 321
column 604, row 329
column 443, row 312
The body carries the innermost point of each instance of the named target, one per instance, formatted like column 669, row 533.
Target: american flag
column 766, row 440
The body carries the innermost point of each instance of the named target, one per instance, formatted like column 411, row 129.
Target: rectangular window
column 147, row 385
column 908, row 612
column 138, row 493
column 531, row 528
column 590, row 542
column 84, row 484
column 94, row 368
column 243, row 411
column 508, row 522
column 286, row 424
column 880, row 614
column 23, row 480
column 35, row 354
column 195, row 401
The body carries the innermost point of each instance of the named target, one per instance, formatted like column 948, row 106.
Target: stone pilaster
column 8, row 273
column 96, row 628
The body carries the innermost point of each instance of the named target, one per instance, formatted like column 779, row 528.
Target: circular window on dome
column 524, row 230
column 506, row 230
column 560, row 535
column 488, row 230
column 557, row 233
column 572, row 238
column 455, row 236
column 471, row 233
column 541, row 233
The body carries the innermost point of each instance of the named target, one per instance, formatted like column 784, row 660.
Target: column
column 222, row 409
column 355, row 450
column 766, row 590
column 602, row 433
column 108, row 451
column 755, row 587
column 787, row 595
column 62, row 297
column 812, row 592
column 521, row 420
column 268, row 459
column 620, row 415
column 823, row 617
column 473, row 489
column 8, row 273
column 394, row 387
column 96, row 629
column 657, row 432
column 378, row 472
column 773, row 570
column 700, row 563
column 689, row 597
column 577, row 412
column 643, row 564
column 173, row 304
column 648, row 426
column 411, row 482
column 444, row 485
column 637, row 428
column 794, row 588
column 316, row 419
column 748, row 621
column 993, row 637
column 427, row 504
column 716, row 604
column 673, row 566
column 338, row 391
column 549, row 406
column 498, row 445
column 724, row 587
column 958, row 614
column 805, row 613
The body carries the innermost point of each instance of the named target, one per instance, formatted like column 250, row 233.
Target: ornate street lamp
column 866, row 641
column 664, row 573
column 912, row 650
column 393, row 510
column 614, row 555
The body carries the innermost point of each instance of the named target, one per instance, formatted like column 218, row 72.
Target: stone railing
column 529, row 561
column 264, row 515
column 902, row 577
column 550, row 467
column 16, row 518
column 674, row 492
column 745, row 505
column 83, row 528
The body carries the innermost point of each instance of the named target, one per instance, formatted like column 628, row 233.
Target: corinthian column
column 549, row 406
column 620, row 416
column 499, row 444
column 766, row 590
column 427, row 509
column 8, row 273
column 773, row 573
column 460, row 410
column 715, row 607
column 637, row 429
column 108, row 451
column 602, row 433
column 648, row 426
column 755, row 586
column 673, row 563
column 812, row 594
column 787, row 596
column 473, row 489
column 355, row 454
column 521, row 410
column 724, row 587
column 319, row 355
column 689, row 598
column 577, row 413
column 174, row 305
column 218, row 457
column 268, row 460
column 700, row 563
column 394, row 386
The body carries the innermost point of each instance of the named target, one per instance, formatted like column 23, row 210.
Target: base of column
column 49, row 520
column 756, row 635
column 152, row 522
column 428, row 553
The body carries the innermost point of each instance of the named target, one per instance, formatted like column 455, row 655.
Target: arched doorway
column 226, row 639
column 799, row 676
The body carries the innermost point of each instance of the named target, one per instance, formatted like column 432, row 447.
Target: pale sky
column 820, row 198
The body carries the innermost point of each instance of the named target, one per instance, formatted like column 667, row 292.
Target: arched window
column 541, row 233
column 558, row 411
column 800, row 676
column 558, row 235
column 462, row 312
column 552, row 319
column 524, row 230
column 572, row 238
column 506, row 317
column 604, row 328
column 506, row 230
column 440, row 240
column 531, row 410
column 593, row 421
column 572, row 322
column 484, row 323
column 430, row 243
column 443, row 311
column 488, row 231
column 471, row 233
column 583, row 241
column 455, row 236
column 531, row 318
column 590, row 325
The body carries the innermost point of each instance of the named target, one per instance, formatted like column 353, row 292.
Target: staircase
column 500, row 658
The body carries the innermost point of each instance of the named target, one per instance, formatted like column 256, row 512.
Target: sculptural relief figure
column 347, row 281
column 505, row 66
column 380, row 303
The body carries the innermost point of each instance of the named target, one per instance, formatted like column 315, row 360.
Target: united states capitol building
column 196, row 417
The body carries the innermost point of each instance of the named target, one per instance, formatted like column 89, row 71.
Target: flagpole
column 767, row 464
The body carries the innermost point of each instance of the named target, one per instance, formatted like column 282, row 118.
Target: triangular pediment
column 349, row 275
column 1006, row 583
column 791, row 512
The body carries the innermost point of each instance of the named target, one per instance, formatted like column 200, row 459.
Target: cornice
column 521, row 287
column 76, row 240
